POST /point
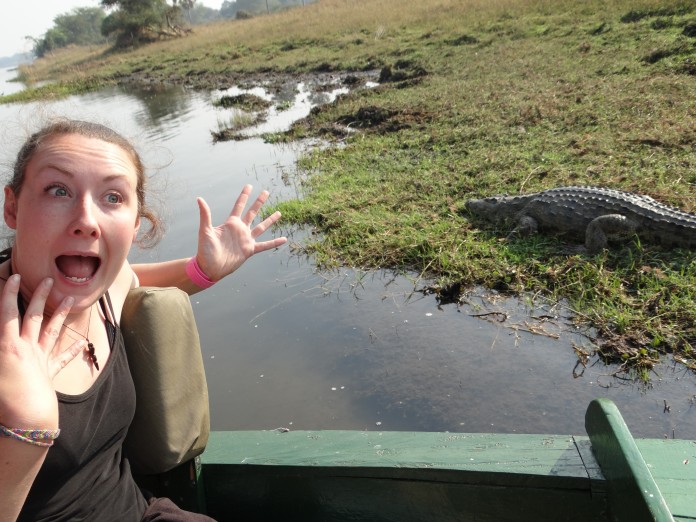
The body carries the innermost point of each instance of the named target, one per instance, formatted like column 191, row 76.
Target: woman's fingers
column 36, row 329
column 9, row 315
column 34, row 316
column 254, row 210
column 241, row 202
column 268, row 245
column 205, row 216
column 53, row 326
column 48, row 330
column 58, row 361
column 222, row 249
column 265, row 224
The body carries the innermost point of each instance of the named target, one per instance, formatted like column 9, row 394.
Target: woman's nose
column 86, row 222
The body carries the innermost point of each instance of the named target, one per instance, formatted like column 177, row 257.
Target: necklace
column 90, row 346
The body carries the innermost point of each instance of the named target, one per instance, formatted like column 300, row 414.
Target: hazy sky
column 35, row 17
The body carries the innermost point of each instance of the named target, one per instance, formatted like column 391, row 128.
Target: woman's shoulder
column 125, row 280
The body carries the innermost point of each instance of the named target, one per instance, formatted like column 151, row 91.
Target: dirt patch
column 688, row 67
column 464, row 39
column 378, row 119
column 334, row 130
column 247, row 102
column 367, row 117
column 403, row 72
column 271, row 81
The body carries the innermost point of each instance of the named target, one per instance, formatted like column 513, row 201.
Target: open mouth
column 78, row 269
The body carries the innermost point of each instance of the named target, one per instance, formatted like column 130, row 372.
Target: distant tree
column 228, row 9
column 138, row 21
column 52, row 40
column 245, row 8
column 81, row 26
column 185, row 6
column 201, row 14
column 256, row 6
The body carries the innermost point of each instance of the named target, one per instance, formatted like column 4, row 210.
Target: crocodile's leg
column 526, row 226
column 602, row 228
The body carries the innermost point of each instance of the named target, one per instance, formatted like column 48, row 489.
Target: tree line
column 127, row 23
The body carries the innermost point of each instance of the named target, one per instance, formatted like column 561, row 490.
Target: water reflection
column 164, row 107
column 285, row 345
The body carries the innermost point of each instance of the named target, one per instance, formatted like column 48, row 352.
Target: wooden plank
column 672, row 464
column 633, row 493
column 399, row 476
column 531, row 459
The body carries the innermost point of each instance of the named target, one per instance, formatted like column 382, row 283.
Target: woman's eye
column 114, row 198
column 60, row 192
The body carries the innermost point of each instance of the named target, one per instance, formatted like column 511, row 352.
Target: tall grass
column 349, row 33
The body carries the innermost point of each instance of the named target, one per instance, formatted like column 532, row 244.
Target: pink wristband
column 196, row 275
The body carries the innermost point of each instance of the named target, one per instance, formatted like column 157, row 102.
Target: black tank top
column 85, row 476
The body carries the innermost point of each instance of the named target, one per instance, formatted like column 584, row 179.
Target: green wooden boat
column 380, row 476
column 406, row 476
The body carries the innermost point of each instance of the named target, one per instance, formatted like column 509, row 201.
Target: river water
column 288, row 346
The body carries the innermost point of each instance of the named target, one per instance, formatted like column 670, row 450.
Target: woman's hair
column 97, row 131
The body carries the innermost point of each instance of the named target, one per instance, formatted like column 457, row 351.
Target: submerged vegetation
column 247, row 111
column 475, row 98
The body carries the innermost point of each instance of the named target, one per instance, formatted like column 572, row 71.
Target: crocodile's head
column 496, row 208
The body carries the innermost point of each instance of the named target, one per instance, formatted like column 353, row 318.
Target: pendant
column 92, row 355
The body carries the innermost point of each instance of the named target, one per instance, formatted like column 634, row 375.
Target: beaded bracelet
column 35, row 437
column 195, row 274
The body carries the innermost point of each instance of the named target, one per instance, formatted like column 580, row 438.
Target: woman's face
column 75, row 218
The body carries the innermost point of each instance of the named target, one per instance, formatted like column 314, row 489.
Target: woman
column 76, row 204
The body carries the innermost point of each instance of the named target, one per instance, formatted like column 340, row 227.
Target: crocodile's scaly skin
column 593, row 213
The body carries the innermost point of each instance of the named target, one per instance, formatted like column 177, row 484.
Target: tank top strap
column 109, row 319
column 106, row 304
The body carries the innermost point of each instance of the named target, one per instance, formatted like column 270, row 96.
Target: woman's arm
column 19, row 465
column 29, row 360
column 221, row 249
column 166, row 273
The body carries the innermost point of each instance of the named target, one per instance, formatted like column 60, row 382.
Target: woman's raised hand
column 224, row 248
column 30, row 357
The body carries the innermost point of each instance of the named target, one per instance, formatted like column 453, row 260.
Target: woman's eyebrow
column 58, row 168
column 70, row 174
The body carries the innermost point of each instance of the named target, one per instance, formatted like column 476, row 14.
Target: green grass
column 479, row 98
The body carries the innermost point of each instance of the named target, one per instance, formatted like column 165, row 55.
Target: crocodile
column 595, row 214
